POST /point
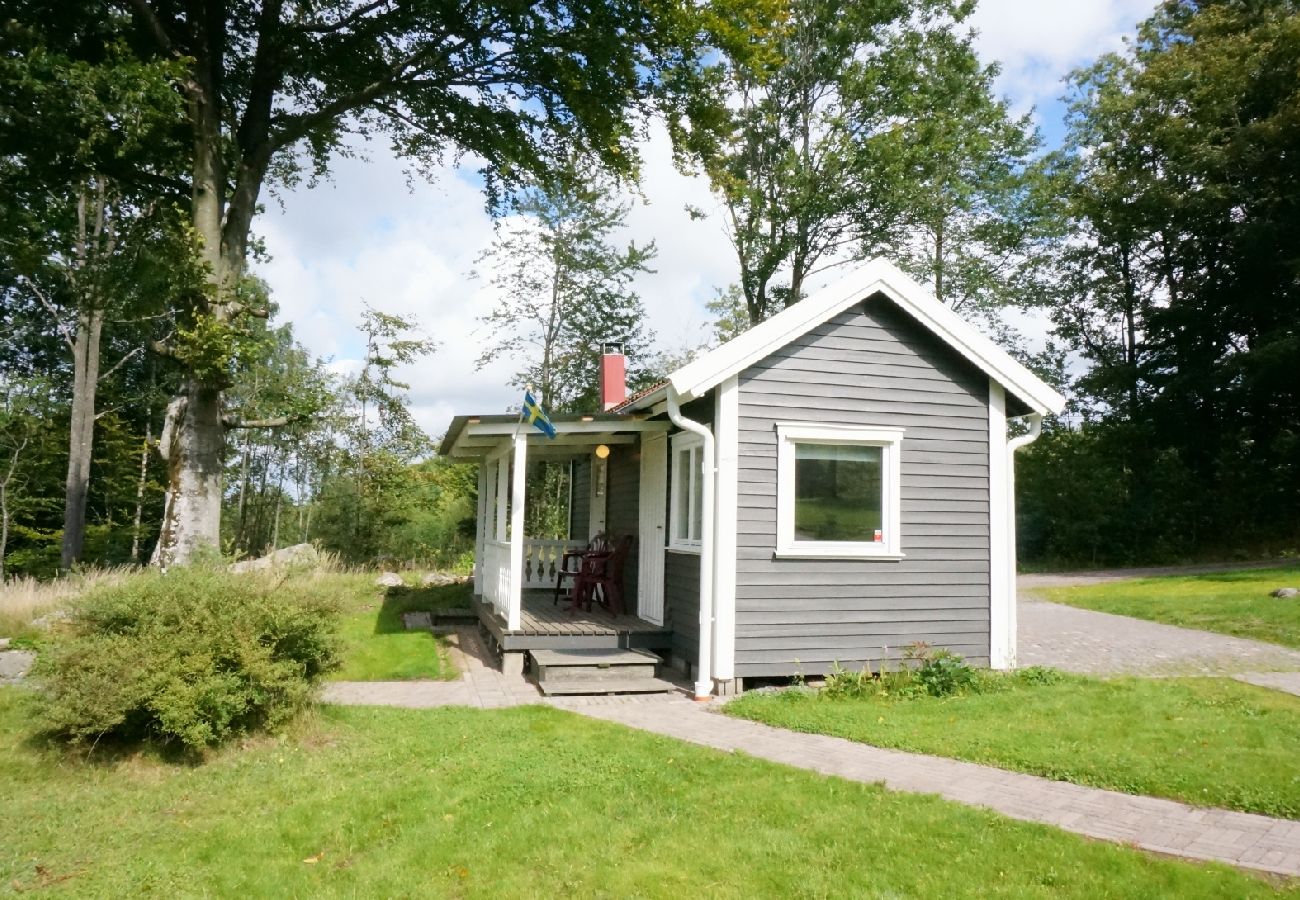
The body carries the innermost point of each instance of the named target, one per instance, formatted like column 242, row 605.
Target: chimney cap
column 612, row 347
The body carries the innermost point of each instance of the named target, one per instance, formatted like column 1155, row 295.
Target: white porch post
column 516, row 596
column 480, row 527
column 500, row 531
column 1002, row 598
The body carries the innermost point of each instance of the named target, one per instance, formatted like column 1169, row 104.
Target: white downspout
column 1035, row 421
column 708, row 466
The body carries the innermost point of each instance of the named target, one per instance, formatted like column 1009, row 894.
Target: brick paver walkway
column 1164, row 826
column 1097, row 643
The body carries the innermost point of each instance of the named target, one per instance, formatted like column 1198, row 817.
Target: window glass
column 682, row 488
column 697, row 507
column 838, row 492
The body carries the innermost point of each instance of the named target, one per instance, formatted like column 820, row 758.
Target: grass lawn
column 1209, row 742
column 376, row 646
column 1235, row 603
column 529, row 802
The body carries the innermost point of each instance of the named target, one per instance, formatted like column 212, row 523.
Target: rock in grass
column 4, row 643
column 389, row 580
column 297, row 555
column 1285, row 593
column 441, row 579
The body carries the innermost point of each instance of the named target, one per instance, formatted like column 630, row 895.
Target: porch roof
column 475, row 437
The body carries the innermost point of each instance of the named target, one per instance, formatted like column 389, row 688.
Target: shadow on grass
column 399, row 600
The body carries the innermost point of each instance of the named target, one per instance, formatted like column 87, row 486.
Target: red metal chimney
column 613, row 376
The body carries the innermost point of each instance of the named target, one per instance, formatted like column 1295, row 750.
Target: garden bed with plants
column 1205, row 741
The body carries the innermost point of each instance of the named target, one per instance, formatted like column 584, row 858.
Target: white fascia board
column 878, row 276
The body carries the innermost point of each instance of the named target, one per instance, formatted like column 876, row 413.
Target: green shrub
column 945, row 673
column 1039, row 675
column 190, row 658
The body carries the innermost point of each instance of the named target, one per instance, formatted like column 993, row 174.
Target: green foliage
column 928, row 672
column 192, row 658
column 1180, row 288
column 945, row 673
column 869, row 127
column 564, row 290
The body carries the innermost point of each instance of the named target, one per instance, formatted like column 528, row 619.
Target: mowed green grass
column 1209, row 742
column 375, row 644
column 524, row 802
column 1236, row 603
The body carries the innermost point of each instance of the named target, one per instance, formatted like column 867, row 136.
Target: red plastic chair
column 604, row 573
column 601, row 543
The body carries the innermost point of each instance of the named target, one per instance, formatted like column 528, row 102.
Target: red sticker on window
column 878, row 538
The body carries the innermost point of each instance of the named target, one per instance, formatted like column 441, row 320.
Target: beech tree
column 272, row 90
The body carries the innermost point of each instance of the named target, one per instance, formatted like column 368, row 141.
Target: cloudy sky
column 372, row 236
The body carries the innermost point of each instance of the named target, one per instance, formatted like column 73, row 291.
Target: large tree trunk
column 81, row 432
column 192, row 441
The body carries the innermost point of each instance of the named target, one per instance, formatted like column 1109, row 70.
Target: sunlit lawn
column 376, row 645
column 1209, row 742
column 525, row 802
column 1236, row 603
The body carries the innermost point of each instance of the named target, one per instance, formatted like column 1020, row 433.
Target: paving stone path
column 1163, row 826
column 1097, row 643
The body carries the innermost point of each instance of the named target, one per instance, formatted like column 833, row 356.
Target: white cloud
column 1038, row 42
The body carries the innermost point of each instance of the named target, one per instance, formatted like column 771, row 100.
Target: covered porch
column 616, row 485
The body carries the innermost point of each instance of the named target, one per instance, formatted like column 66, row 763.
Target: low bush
column 189, row 658
column 927, row 672
column 944, row 673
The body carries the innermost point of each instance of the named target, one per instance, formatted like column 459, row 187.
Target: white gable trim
column 877, row 276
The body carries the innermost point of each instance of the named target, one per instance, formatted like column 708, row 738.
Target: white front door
column 653, row 501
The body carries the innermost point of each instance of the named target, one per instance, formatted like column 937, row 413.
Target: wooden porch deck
column 545, row 625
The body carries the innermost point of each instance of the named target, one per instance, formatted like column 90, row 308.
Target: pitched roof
column 876, row 277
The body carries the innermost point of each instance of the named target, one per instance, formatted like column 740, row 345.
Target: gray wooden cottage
column 829, row 487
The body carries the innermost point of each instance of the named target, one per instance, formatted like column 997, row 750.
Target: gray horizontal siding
column 580, row 509
column 872, row 365
column 623, row 505
column 682, row 603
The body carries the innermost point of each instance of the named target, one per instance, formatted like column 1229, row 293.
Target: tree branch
column 348, row 20
column 121, row 362
column 274, row 422
column 154, row 24
column 53, row 311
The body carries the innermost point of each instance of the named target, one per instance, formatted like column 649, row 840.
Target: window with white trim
column 686, row 509
column 838, row 491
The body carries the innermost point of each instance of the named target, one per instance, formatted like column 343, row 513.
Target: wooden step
column 631, row 686
column 598, row 665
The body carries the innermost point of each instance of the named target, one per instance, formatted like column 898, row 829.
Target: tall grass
column 23, row 600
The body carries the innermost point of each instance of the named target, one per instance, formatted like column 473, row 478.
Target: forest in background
column 151, row 404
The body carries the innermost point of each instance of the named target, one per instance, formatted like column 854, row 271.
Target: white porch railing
column 496, row 576
column 542, row 560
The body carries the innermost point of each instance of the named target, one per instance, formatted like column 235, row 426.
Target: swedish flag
column 537, row 416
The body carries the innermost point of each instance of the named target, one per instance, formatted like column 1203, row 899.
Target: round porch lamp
column 602, row 451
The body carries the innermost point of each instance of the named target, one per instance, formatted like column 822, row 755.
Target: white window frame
column 890, row 440
column 682, row 442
